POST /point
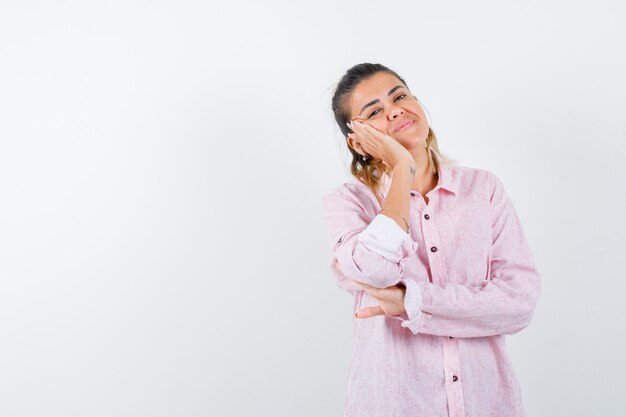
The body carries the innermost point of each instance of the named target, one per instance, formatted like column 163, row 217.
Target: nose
column 395, row 112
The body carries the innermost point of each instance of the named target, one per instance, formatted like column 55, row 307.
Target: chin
column 422, row 135
column 413, row 141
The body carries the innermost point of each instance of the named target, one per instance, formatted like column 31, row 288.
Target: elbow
column 361, row 263
column 376, row 272
column 523, row 317
column 525, row 310
column 520, row 325
column 385, row 279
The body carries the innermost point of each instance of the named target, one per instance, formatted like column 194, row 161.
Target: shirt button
column 454, row 378
column 426, row 216
column 412, row 194
column 433, row 249
column 450, row 337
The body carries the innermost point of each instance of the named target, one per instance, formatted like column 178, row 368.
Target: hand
column 377, row 144
column 391, row 301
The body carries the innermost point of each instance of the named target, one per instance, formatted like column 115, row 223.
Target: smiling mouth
column 406, row 125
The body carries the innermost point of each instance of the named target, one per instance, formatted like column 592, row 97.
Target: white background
column 161, row 172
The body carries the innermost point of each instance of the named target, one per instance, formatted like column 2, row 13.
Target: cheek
column 418, row 110
column 415, row 108
column 381, row 125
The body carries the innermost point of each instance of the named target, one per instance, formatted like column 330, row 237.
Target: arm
column 503, row 304
column 369, row 250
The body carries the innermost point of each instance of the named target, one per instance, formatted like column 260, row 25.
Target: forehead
column 375, row 87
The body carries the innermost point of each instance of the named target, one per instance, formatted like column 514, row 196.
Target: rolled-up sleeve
column 371, row 250
column 385, row 237
column 413, row 318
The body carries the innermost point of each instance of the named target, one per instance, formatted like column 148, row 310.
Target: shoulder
column 352, row 193
column 479, row 182
column 467, row 174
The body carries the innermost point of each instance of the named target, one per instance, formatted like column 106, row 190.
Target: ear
column 357, row 147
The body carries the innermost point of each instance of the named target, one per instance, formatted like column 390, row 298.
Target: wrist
column 405, row 167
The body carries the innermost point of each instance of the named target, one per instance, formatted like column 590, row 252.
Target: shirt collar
column 447, row 180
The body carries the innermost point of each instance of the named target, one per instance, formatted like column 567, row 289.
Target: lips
column 404, row 124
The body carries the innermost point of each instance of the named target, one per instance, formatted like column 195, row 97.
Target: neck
column 425, row 177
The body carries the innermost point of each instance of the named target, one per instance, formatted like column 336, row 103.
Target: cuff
column 414, row 317
column 385, row 237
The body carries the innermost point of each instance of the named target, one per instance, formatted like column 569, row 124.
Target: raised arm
column 366, row 249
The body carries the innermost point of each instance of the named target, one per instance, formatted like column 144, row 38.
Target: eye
column 397, row 98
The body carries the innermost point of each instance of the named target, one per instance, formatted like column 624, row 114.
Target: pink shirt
column 471, row 279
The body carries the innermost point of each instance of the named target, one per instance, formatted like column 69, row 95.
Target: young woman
column 435, row 257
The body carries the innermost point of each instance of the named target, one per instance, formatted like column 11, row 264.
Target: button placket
column 454, row 385
column 422, row 202
column 452, row 367
column 430, row 236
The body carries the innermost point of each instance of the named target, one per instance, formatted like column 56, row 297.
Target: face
column 383, row 102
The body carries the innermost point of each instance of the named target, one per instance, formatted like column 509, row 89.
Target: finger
column 352, row 125
column 363, row 284
column 363, row 130
column 369, row 312
column 365, row 288
column 370, row 132
column 363, row 147
column 367, row 139
column 379, row 294
column 361, row 127
column 374, row 291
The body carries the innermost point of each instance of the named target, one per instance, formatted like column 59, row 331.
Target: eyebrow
column 371, row 103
